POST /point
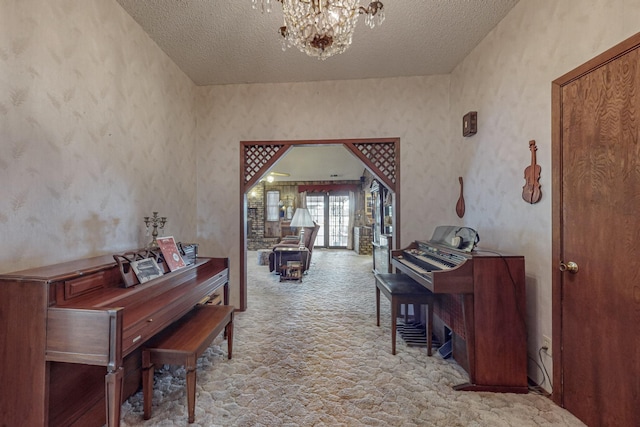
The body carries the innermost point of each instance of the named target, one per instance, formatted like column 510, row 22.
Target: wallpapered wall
column 410, row 108
column 97, row 128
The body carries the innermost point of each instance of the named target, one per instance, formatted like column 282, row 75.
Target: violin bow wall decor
column 531, row 190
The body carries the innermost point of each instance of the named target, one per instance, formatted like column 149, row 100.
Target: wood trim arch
column 381, row 156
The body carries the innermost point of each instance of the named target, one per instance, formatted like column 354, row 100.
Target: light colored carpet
column 310, row 354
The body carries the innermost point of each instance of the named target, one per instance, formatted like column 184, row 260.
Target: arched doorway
column 381, row 156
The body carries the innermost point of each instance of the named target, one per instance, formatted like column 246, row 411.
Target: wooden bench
column 183, row 343
column 401, row 289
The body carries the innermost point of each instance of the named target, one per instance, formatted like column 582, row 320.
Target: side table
column 291, row 262
column 292, row 270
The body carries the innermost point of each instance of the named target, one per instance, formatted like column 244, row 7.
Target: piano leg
column 113, row 396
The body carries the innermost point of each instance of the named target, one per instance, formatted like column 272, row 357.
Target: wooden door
column 596, row 225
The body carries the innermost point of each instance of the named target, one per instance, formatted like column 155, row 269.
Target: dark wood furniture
column 292, row 270
column 401, row 289
column 291, row 262
column 71, row 336
column 290, row 249
column 482, row 301
column 283, row 254
column 182, row 344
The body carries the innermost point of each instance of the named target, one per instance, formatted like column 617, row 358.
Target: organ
column 481, row 298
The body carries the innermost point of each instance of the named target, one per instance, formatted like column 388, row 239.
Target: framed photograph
column 146, row 269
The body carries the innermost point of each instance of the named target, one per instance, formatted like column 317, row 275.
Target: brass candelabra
column 156, row 222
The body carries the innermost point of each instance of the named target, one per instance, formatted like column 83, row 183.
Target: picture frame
column 146, row 269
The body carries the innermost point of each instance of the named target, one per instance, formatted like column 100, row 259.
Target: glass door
column 316, row 207
column 331, row 212
column 338, row 221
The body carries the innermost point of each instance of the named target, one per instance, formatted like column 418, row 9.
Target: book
column 170, row 253
column 146, row 269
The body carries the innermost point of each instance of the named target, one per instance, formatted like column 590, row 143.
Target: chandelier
column 322, row 28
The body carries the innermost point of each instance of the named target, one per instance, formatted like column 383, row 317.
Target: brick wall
column 362, row 240
column 255, row 220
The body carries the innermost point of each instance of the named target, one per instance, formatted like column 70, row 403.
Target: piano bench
column 401, row 289
column 183, row 343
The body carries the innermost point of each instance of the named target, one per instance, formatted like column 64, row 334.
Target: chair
column 285, row 250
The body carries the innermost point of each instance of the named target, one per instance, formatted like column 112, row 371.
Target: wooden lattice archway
column 381, row 156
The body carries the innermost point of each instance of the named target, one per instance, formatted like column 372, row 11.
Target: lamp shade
column 301, row 218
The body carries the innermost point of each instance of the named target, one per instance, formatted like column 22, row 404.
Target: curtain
column 352, row 215
column 327, row 188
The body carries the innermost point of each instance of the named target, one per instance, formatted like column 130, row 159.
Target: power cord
column 537, row 387
column 544, row 348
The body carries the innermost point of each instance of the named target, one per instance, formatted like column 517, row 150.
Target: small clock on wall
column 470, row 123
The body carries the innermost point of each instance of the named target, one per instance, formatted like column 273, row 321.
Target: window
column 272, row 205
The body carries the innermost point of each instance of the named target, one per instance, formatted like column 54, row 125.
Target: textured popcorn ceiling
column 225, row 42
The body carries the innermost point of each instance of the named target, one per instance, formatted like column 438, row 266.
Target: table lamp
column 302, row 218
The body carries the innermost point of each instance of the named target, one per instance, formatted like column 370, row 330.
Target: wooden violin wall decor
column 531, row 190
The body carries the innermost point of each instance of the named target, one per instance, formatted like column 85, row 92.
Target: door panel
column 317, row 208
column 338, row 221
column 599, row 202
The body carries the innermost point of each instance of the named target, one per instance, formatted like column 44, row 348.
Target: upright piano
column 70, row 336
column 481, row 299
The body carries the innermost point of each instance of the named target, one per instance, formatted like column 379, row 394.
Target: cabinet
column 382, row 254
column 382, row 227
column 381, row 210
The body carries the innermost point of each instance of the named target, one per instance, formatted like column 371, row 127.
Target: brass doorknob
column 571, row 267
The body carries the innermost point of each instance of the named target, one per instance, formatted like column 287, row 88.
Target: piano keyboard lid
column 456, row 237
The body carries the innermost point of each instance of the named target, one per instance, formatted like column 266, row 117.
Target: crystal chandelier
column 322, row 28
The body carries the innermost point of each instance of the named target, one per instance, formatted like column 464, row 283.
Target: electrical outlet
column 546, row 342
